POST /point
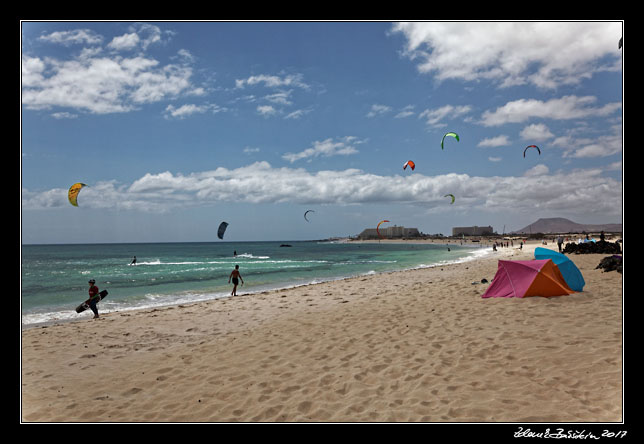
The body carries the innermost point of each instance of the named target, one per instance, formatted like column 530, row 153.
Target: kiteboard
column 85, row 305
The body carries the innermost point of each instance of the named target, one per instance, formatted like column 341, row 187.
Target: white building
column 472, row 231
column 394, row 232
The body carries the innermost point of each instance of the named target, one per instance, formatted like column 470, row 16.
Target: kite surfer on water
column 235, row 276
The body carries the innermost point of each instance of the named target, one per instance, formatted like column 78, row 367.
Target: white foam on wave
column 150, row 301
column 251, row 256
column 223, row 260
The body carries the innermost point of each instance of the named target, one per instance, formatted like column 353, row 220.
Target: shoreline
column 474, row 255
column 411, row 346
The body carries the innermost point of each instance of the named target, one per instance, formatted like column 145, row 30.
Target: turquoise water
column 54, row 277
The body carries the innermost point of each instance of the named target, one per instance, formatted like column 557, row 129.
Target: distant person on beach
column 560, row 242
column 93, row 297
column 133, row 261
column 235, row 276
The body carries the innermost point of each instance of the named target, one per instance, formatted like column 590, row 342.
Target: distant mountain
column 561, row 225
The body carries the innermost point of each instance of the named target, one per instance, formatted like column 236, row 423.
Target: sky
column 177, row 126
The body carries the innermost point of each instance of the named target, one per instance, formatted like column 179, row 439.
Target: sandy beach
column 411, row 346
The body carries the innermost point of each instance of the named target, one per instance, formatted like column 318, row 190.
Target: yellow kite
column 72, row 194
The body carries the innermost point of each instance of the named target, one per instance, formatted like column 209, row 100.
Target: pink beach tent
column 519, row 279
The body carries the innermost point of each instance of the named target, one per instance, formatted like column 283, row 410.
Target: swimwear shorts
column 235, row 281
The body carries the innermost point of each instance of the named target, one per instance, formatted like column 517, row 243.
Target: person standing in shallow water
column 235, row 276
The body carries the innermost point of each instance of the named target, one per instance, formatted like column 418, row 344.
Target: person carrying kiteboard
column 93, row 297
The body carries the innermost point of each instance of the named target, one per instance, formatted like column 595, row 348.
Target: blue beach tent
column 568, row 269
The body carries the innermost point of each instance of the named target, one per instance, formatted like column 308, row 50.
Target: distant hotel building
column 472, row 231
column 389, row 233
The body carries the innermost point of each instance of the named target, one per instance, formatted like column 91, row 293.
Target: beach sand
column 419, row 345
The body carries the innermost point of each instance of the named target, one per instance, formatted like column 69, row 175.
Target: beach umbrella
column 568, row 269
column 520, row 279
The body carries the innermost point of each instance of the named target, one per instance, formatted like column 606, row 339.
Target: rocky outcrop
column 601, row 247
column 611, row 263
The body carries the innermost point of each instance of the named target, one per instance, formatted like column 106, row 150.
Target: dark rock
column 611, row 263
column 601, row 247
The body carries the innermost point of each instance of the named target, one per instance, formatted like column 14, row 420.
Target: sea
column 54, row 278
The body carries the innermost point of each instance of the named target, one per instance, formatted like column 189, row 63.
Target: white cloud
column 124, row 42
column 149, row 34
column 100, row 84
column 197, row 91
column 536, row 133
column 64, row 115
column 537, row 170
column 272, row 81
column 280, row 98
column 564, row 108
column 189, row 109
column 278, row 101
column 298, row 113
column 405, row 112
column 603, row 145
column 158, row 84
column 326, row 148
column 89, row 52
column 32, row 71
column 434, row 117
column 378, row 110
column 544, row 54
column 266, row 110
column 74, row 37
column 537, row 190
column 185, row 56
column 501, row 140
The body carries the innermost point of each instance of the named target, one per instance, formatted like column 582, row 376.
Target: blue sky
column 177, row 126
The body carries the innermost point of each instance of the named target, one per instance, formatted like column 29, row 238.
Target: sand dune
column 418, row 345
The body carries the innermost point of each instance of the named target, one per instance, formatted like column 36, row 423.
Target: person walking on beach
column 93, row 297
column 235, row 276
column 560, row 242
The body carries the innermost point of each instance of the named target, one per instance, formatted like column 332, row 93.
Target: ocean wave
column 251, row 256
column 227, row 260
